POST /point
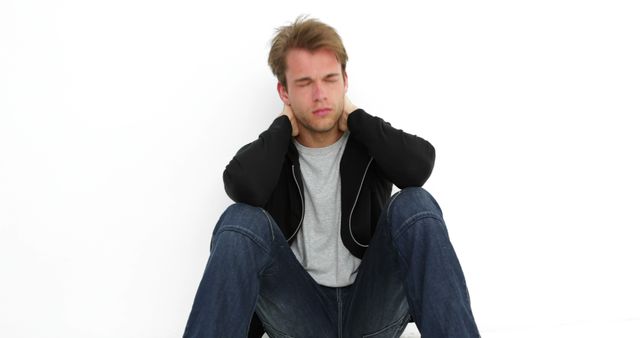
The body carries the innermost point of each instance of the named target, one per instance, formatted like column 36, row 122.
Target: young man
column 315, row 246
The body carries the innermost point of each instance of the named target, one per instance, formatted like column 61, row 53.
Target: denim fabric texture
column 410, row 270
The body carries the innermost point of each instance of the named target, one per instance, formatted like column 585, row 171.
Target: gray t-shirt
column 318, row 245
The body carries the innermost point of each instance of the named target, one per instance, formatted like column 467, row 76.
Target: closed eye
column 332, row 77
column 303, row 82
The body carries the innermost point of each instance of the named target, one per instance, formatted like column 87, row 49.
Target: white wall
column 118, row 117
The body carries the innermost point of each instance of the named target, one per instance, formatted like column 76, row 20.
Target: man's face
column 315, row 89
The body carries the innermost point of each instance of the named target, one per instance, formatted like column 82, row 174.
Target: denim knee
column 251, row 221
column 409, row 203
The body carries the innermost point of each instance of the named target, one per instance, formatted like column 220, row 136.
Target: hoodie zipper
column 293, row 172
column 356, row 202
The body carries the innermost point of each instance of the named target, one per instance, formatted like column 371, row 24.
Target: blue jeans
column 410, row 270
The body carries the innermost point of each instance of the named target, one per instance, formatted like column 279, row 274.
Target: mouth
column 322, row 112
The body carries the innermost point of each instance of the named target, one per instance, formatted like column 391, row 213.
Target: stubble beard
column 338, row 108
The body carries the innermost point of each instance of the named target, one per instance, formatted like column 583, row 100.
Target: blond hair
column 308, row 34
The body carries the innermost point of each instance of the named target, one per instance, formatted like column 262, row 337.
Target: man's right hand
column 292, row 118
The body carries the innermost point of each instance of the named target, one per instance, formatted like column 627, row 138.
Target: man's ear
column 284, row 95
column 346, row 80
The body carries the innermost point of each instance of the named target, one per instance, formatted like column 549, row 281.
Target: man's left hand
column 349, row 108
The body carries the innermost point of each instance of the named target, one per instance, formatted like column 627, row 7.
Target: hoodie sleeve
column 406, row 160
column 253, row 172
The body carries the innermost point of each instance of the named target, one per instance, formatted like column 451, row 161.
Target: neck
column 319, row 140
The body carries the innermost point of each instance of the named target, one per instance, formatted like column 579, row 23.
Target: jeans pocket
column 392, row 330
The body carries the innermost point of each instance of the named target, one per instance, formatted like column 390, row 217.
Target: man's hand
column 292, row 118
column 349, row 108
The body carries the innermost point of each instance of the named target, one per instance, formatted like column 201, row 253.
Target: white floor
column 411, row 331
column 616, row 329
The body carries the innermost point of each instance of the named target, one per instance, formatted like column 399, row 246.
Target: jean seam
column 396, row 324
column 264, row 323
column 412, row 220
column 404, row 227
column 390, row 204
column 403, row 324
column 410, row 301
column 266, row 214
column 246, row 234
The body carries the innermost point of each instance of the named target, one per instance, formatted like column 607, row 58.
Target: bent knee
column 244, row 217
column 411, row 201
column 244, row 209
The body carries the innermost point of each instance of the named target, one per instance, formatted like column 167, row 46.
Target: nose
column 318, row 92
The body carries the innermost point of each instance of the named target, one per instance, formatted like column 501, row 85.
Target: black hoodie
column 266, row 174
